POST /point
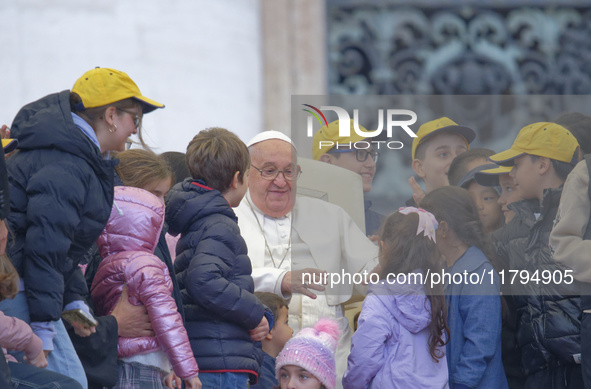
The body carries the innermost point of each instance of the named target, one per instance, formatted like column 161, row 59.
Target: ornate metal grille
column 487, row 47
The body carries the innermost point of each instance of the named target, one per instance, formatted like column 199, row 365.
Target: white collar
column 260, row 215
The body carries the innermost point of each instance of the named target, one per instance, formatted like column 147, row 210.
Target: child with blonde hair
column 127, row 247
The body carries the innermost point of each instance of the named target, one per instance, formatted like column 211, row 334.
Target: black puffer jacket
column 214, row 275
column 61, row 196
column 548, row 315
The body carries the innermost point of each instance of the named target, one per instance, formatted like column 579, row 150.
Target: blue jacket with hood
column 214, row 275
column 61, row 196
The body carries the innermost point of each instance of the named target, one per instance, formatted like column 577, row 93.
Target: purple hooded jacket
column 127, row 248
column 390, row 347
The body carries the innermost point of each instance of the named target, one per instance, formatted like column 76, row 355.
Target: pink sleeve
column 152, row 284
column 18, row 335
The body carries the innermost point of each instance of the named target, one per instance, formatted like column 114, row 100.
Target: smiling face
column 509, row 194
column 486, row 200
column 439, row 152
column 120, row 124
column 273, row 197
column 525, row 173
column 349, row 161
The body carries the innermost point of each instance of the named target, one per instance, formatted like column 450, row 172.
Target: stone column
column 294, row 56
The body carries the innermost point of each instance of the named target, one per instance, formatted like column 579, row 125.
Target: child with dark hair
column 485, row 197
column 402, row 329
column 223, row 316
column 465, row 162
column 542, row 156
column 474, row 309
column 499, row 177
column 178, row 163
column 275, row 340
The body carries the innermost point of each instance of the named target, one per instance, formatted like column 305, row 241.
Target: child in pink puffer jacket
column 127, row 247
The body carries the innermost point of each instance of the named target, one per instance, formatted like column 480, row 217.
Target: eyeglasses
column 271, row 172
column 137, row 119
column 361, row 155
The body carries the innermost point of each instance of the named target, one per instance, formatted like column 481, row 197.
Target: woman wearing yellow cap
column 61, row 196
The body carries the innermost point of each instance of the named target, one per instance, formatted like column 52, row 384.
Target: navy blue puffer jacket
column 61, row 193
column 214, row 274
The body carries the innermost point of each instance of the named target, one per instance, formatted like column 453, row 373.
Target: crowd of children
column 95, row 238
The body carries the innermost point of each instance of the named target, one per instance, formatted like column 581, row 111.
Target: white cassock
column 321, row 235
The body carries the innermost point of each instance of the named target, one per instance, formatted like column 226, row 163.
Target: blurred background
column 237, row 63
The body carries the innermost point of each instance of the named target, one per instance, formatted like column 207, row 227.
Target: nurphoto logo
column 392, row 121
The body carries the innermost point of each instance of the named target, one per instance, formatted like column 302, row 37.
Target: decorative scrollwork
column 392, row 49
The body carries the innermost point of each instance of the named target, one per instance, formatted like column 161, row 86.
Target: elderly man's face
column 273, row 197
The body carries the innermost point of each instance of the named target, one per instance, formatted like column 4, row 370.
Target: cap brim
column 9, row 145
column 506, row 158
column 469, row 177
column 148, row 105
column 490, row 177
column 468, row 133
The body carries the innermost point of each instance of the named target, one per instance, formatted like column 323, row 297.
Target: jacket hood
column 135, row 223
column 47, row 123
column 406, row 302
column 192, row 200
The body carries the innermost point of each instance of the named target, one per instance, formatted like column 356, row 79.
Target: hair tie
column 427, row 222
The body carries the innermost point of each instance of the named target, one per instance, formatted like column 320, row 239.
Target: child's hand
column 38, row 361
column 171, row 381
column 193, row 383
column 417, row 192
column 259, row 333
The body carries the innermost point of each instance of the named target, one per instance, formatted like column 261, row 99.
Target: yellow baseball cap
column 102, row 86
column 436, row 126
column 543, row 139
column 490, row 177
column 9, row 144
column 330, row 135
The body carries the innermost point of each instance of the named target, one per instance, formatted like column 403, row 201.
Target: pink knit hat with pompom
column 314, row 350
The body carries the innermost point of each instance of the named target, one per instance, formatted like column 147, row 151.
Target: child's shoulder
column 472, row 260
